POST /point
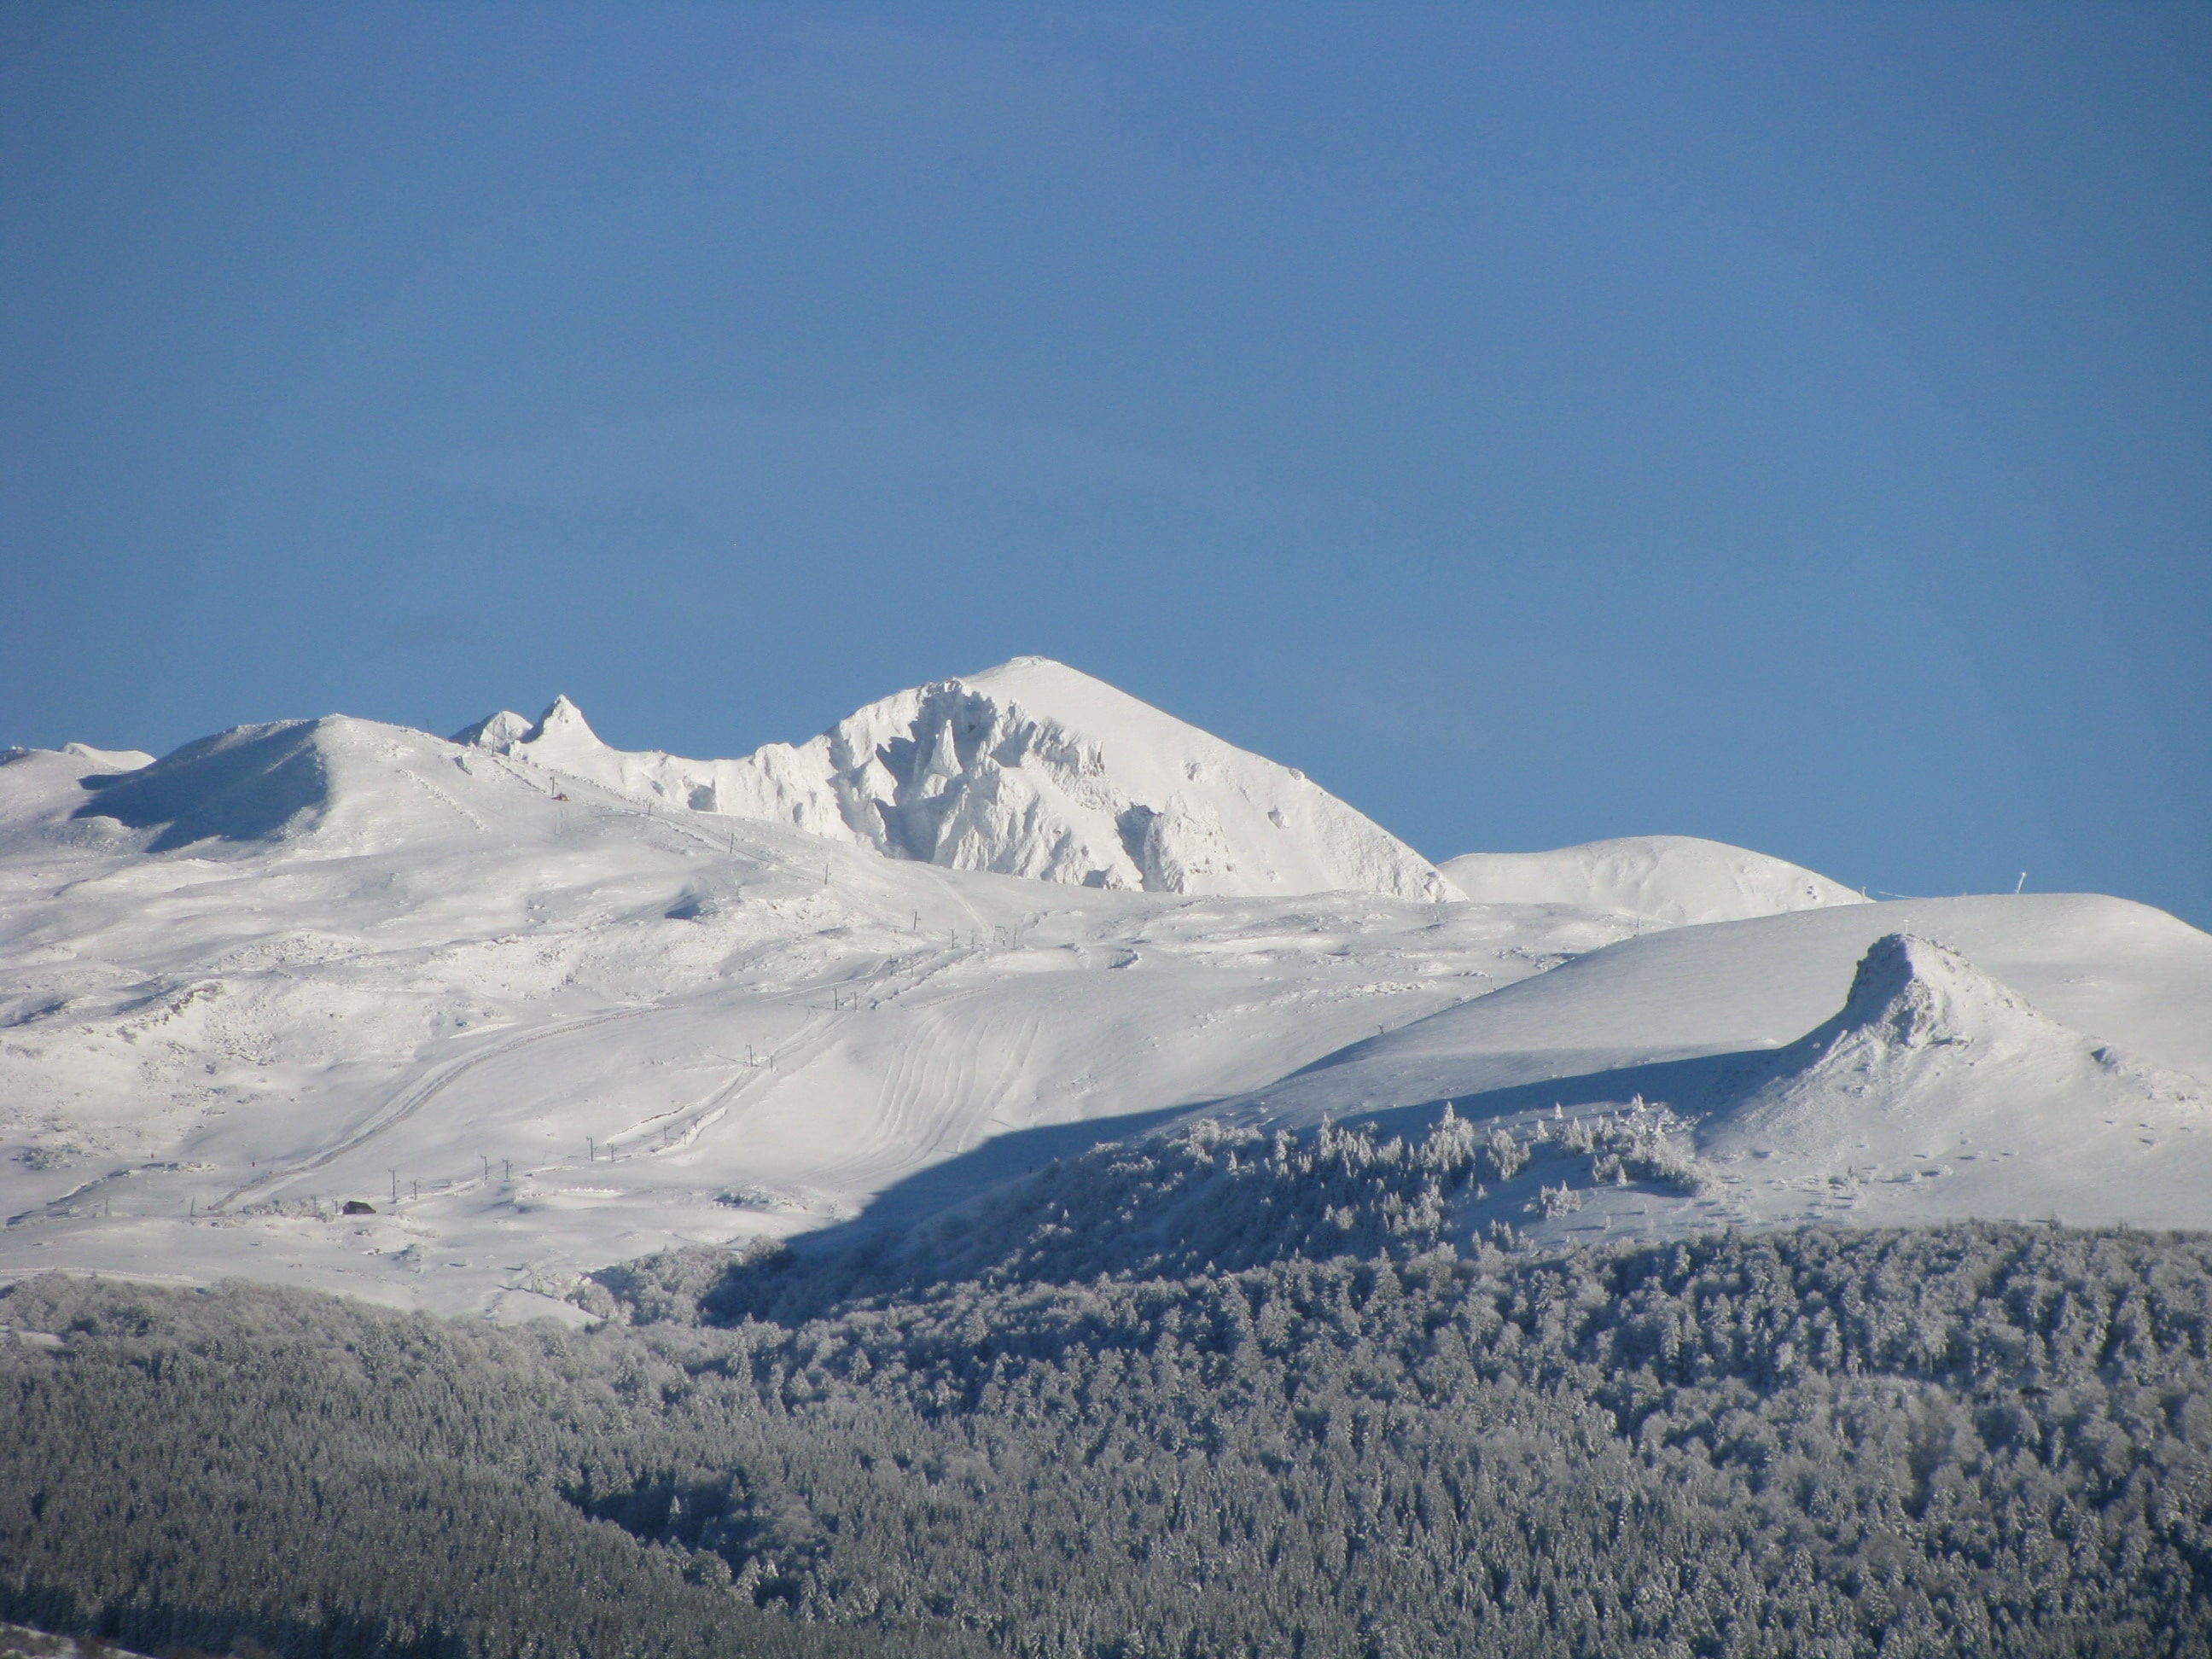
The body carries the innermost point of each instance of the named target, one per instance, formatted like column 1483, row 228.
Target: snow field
column 544, row 1005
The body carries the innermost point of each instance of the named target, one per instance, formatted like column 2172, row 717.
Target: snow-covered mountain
column 1674, row 879
column 566, row 1021
column 543, row 1005
column 1029, row 768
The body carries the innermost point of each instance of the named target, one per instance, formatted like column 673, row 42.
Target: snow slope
column 2050, row 1014
column 1029, row 768
column 2121, row 971
column 1673, row 879
column 1932, row 1066
column 314, row 961
column 544, row 1007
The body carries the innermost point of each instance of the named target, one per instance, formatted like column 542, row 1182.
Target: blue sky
column 1791, row 425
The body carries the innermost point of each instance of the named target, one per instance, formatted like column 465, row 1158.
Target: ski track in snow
column 412, row 1099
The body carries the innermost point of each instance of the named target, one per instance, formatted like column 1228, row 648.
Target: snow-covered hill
column 1828, row 1060
column 543, row 1006
column 1674, row 879
column 1029, row 768
column 311, row 961
column 1934, row 1075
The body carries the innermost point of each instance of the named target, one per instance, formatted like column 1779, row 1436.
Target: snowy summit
column 1029, row 768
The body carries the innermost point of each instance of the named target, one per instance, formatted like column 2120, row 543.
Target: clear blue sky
column 1791, row 424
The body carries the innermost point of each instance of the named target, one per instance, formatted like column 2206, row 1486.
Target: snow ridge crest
column 1932, row 1058
column 1031, row 769
column 1913, row 993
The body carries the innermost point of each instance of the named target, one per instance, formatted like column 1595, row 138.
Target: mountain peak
column 494, row 731
column 1913, row 993
column 562, row 718
column 1931, row 1057
column 1915, row 1006
column 1027, row 769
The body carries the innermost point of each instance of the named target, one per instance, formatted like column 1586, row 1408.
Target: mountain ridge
column 1031, row 769
column 1678, row 880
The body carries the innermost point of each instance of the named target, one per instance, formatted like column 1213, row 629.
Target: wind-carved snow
column 1837, row 1067
column 1673, row 880
column 1031, row 769
column 251, row 783
column 1936, row 1075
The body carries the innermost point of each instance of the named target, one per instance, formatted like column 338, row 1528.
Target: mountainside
column 541, row 1006
column 541, row 1024
column 1932, row 1066
column 2123, row 972
column 1029, row 768
column 1673, row 880
column 1937, row 1092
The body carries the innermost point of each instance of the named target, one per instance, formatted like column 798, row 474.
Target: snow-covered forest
column 1972, row 1439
